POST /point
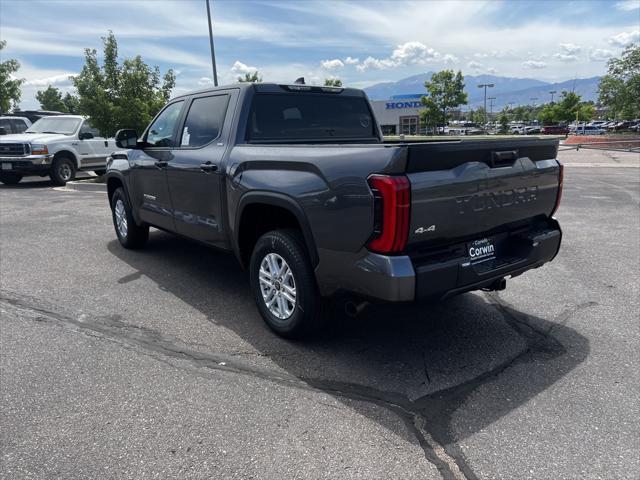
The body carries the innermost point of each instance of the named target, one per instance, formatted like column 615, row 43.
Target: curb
column 82, row 186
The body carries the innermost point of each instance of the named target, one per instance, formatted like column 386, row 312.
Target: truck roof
column 277, row 88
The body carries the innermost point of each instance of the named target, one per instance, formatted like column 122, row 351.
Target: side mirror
column 126, row 138
column 3, row 131
column 85, row 135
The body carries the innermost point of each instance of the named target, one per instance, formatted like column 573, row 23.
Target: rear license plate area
column 482, row 250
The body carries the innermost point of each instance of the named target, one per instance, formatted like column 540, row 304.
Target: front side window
column 88, row 128
column 6, row 125
column 61, row 125
column 204, row 120
column 161, row 132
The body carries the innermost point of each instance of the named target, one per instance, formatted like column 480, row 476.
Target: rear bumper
column 402, row 278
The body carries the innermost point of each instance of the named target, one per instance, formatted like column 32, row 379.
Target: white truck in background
column 56, row 146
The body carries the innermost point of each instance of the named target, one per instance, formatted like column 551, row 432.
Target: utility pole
column 533, row 99
column 491, row 99
column 485, row 86
column 553, row 92
column 213, row 55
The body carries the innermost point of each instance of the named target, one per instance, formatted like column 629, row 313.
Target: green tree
column 620, row 88
column 9, row 85
column 71, row 103
column 120, row 95
column 446, row 90
column 51, row 99
column 250, row 78
column 332, row 82
column 504, row 122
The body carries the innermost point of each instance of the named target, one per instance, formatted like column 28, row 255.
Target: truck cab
column 55, row 146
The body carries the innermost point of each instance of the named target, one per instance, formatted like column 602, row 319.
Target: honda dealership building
column 399, row 115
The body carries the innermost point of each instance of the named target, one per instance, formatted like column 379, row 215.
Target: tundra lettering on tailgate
column 479, row 202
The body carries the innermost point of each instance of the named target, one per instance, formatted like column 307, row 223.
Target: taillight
column 560, row 187
column 392, row 197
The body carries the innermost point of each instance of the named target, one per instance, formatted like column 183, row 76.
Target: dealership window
column 389, row 129
column 409, row 125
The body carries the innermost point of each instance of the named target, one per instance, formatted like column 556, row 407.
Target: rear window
column 309, row 117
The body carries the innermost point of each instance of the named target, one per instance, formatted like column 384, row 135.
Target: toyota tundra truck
column 55, row 146
column 297, row 182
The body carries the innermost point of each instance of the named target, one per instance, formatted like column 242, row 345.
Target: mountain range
column 519, row 91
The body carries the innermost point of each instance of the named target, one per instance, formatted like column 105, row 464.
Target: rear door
column 194, row 173
column 150, row 190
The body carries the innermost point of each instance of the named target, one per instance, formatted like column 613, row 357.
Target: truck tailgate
column 462, row 190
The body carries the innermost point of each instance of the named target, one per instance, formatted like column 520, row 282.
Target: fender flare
column 123, row 182
column 276, row 200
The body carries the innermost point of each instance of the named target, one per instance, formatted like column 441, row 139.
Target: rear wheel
column 130, row 234
column 63, row 170
column 10, row 178
column 284, row 285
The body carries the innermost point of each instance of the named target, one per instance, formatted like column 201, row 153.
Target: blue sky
column 362, row 42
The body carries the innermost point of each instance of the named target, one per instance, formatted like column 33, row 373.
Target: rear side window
column 204, row 120
column 18, row 125
column 309, row 117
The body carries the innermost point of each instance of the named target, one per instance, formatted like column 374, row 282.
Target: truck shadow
column 426, row 359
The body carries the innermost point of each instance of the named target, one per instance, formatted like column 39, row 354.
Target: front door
column 195, row 171
column 150, row 191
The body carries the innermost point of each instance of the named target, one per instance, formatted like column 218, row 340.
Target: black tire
column 63, row 170
column 10, row 178
column 100, row 172
column 133, row 236
column 309, row 313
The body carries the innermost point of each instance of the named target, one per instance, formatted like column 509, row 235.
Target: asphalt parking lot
column 155, row 364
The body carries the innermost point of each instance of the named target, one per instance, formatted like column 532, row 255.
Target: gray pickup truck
column 298, row 183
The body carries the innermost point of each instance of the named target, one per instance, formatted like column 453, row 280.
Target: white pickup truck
column 56, row 146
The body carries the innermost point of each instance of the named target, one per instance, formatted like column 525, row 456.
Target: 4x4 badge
column 432, row 228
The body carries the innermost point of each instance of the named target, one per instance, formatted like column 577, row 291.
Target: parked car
column 296, row 181
column 11, row 124
column 621, row 126
column 35, row 115
column 531, row 130
column 57, row 146
column 554, row 130
column 586, row 130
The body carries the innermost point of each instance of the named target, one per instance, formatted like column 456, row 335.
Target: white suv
column 57, row 146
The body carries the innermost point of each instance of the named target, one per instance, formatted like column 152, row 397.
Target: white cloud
column 628, row 5
column 600, row 54
column 351, row 60
column 332, row 64
column 448, row 58
column 205, row 82
column 239, row 67
column 61, row 79
column 534, row 64
column 474, row 65
column 492, row 70
column 624, row 39
column 569, row 48
column 563, row 57
column 409, row 53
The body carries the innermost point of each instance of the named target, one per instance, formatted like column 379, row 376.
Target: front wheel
column 63, row 170
column 10, row 178
column 130, row 234
column 284, row 285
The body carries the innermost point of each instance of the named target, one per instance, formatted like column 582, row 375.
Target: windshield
column 310, row 117
column 65, row 126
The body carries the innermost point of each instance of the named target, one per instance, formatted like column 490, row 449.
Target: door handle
column 161, row 164
column 208, row 167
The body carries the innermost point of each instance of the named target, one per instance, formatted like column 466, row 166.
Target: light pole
column 553, row 92
column 485, row 86
column 533, row 99
column 213, row 55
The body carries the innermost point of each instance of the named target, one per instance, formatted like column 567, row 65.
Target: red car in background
column 554, row 130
